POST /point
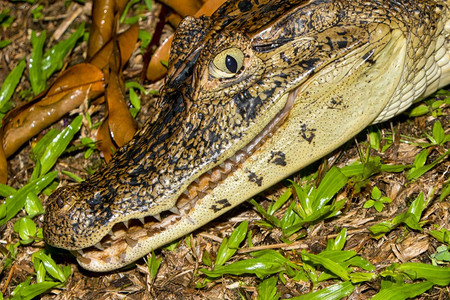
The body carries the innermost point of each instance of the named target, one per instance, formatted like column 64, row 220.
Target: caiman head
column 253, row 94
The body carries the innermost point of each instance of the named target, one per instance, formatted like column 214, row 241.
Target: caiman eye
column 227, row 63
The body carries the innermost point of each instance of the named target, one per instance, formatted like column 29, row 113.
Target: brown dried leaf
column 156, row 69
column 184, row 7
column 121, row 123
column 105, row 143
column 127, row 43
column 67, row 92
column 104, row 23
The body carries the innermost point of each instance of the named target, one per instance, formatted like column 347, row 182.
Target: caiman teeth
column 174, row 210
column 142, row 220
column 126, row 223
column 157, row 217
column 99, row 246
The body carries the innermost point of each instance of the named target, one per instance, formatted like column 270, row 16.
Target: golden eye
column 227, row 63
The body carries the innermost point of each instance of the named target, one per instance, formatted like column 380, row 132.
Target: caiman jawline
column 128, row 233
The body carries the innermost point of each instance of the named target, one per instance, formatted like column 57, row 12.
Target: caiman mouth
column 128, row 234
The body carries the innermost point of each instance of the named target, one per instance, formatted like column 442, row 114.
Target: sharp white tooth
column 99, row 246
column 174, row 210
column 201, row 194
column 126, row 223
column 80, row 252
column 186, row 193
column 157, row 217
column 197, row 181
column 142, row 220
column 209, row 172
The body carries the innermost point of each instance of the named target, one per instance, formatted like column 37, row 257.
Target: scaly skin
column 314, row 74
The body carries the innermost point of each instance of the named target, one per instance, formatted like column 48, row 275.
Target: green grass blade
column 37, row 80
column 31, row 291
column 50, row 266
column 333, row 181
column 279, row 203
column 54, row 57
column 15, row 203
column 267, row 289
column 328, row 264
column 6, row 190
column 333, row 292
column 231, row 245
column 404, row 291
column 59, row 144
column 417, row 172
column 10, row 83
column 434, row 274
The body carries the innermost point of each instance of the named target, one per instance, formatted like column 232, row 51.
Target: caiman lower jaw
column 125, row 241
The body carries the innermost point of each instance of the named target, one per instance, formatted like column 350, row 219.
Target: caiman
column 253, row 94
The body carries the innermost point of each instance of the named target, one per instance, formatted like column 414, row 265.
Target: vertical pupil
column 231, row 64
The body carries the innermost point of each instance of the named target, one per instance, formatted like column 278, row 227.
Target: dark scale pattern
column 203, row 120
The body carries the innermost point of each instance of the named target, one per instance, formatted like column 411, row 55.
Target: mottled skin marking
column 252, row 177
column 278, row 158
column 377, row 57
column 307, row 133
column 221, row 204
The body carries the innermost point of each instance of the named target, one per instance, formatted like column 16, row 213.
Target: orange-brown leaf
column 121, row 123
column 184, row 7
column 105, row 16
column 69, row 90
column 102, row 25
column 127, row 43
column 105, row 143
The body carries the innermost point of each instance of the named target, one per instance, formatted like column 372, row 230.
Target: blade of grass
column 333, row 292
column 15, row 202
column 404, row 291
column 58, row 145
column 10, row 83
column 37, row 80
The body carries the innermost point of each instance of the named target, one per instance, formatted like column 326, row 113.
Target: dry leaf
column 121, row 123
column 127, row 43
column 105, row 143
column 103, row 23
column 67, row 92
column 183, row 7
